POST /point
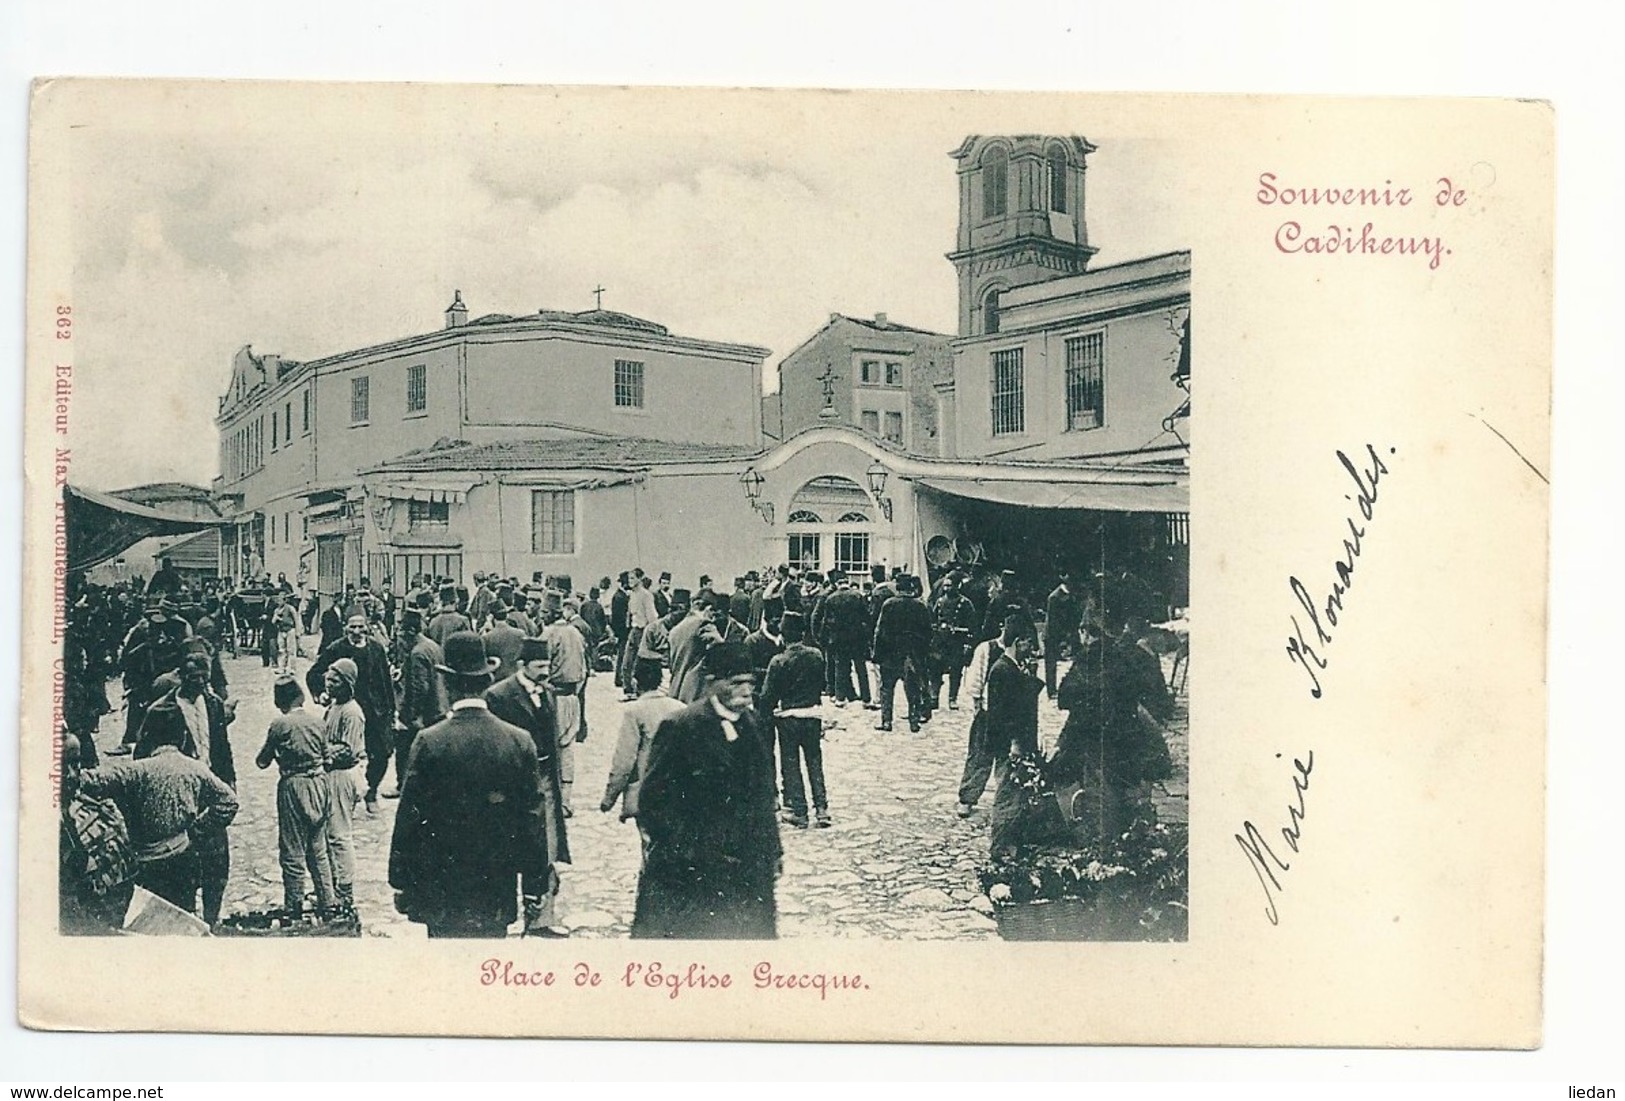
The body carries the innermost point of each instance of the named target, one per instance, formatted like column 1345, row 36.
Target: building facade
column 294, row 435
column 830, row 496
column 1086, row 365
column 874, row 374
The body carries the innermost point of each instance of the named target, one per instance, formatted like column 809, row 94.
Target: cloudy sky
column 330, row 219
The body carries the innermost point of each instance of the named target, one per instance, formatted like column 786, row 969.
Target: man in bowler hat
column 471, row 817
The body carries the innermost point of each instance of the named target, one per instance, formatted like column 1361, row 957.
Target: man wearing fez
column 471, row 817
column 172, row 803
column 902, row 644
column 503, row 639
column 566, row 677
column 706, row 804
column 205, row 738
column 152, row 648
column 795, row 679
column 374, row 691
column 1063, row 615
column 620, row 623
column 663, row 594
column 423, row 693
column 845, row 636
column 644, row 613
column 523, row 700
column 690, row 640
column 447, row 619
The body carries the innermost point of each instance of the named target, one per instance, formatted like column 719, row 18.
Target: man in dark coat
column 503, row 640
column 153, row 647
column 1063, row 613
column 707, row 806
column 765, row 643
column 901, row 646
column 423, row 692
column 448, row 620
column 620, row 622
column 690, row 640
column 795, row 679
column 470, row 823
column 523, row 700
column 374, row 691
column 1012, row 729
column 845, row 636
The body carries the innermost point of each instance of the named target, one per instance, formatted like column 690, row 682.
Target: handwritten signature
column 1266, row 865
column 1323, row 614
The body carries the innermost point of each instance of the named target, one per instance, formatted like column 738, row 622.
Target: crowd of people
column 466, row 704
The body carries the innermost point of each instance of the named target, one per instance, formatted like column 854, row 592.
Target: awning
column 1149, row 494
column 100, row 527
column 451, row 490
column 195, row 552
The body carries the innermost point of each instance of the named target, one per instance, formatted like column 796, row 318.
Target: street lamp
column 877, row 474
column 752, row 481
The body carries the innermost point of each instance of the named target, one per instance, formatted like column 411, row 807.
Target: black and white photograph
column 625, row 535
column 704, row 563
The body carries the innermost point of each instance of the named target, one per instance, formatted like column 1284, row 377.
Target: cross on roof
column 598, row 297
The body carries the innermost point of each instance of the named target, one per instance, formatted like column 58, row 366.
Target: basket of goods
column 339, row 921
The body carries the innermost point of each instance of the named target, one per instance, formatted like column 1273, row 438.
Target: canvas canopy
column 1160, row 493
column 99, row 526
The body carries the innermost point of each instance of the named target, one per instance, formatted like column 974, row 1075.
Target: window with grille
column 894, row 427
column 1086, row 381
column 360, row 400
column 852, row 551
column 1057, row 179
column 628, row 384
column 552, row 521
column 428, row 515
column 995, row 180
column 894, row 374
column 869, row 420
column 804, row 550
column 870, row 372
column 417, row 388
column 1009, row 407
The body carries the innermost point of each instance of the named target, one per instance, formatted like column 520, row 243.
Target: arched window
column 1057, row 179
column 995, row 181
column 854, row 518
column 990, row 312
column 802, row 516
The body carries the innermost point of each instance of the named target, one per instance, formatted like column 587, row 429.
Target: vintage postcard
column 785, row 565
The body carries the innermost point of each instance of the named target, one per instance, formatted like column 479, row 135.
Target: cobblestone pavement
column 897, row 863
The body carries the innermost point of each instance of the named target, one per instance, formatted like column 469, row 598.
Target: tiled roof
column 894, row 326
column 620, row 453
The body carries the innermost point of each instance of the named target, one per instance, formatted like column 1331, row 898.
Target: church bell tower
column 1020, row 219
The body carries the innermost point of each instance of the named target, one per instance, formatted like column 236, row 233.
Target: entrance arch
column 830, row 525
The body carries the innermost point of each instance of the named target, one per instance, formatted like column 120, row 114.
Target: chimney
column 880, row 321
column 456, row 313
